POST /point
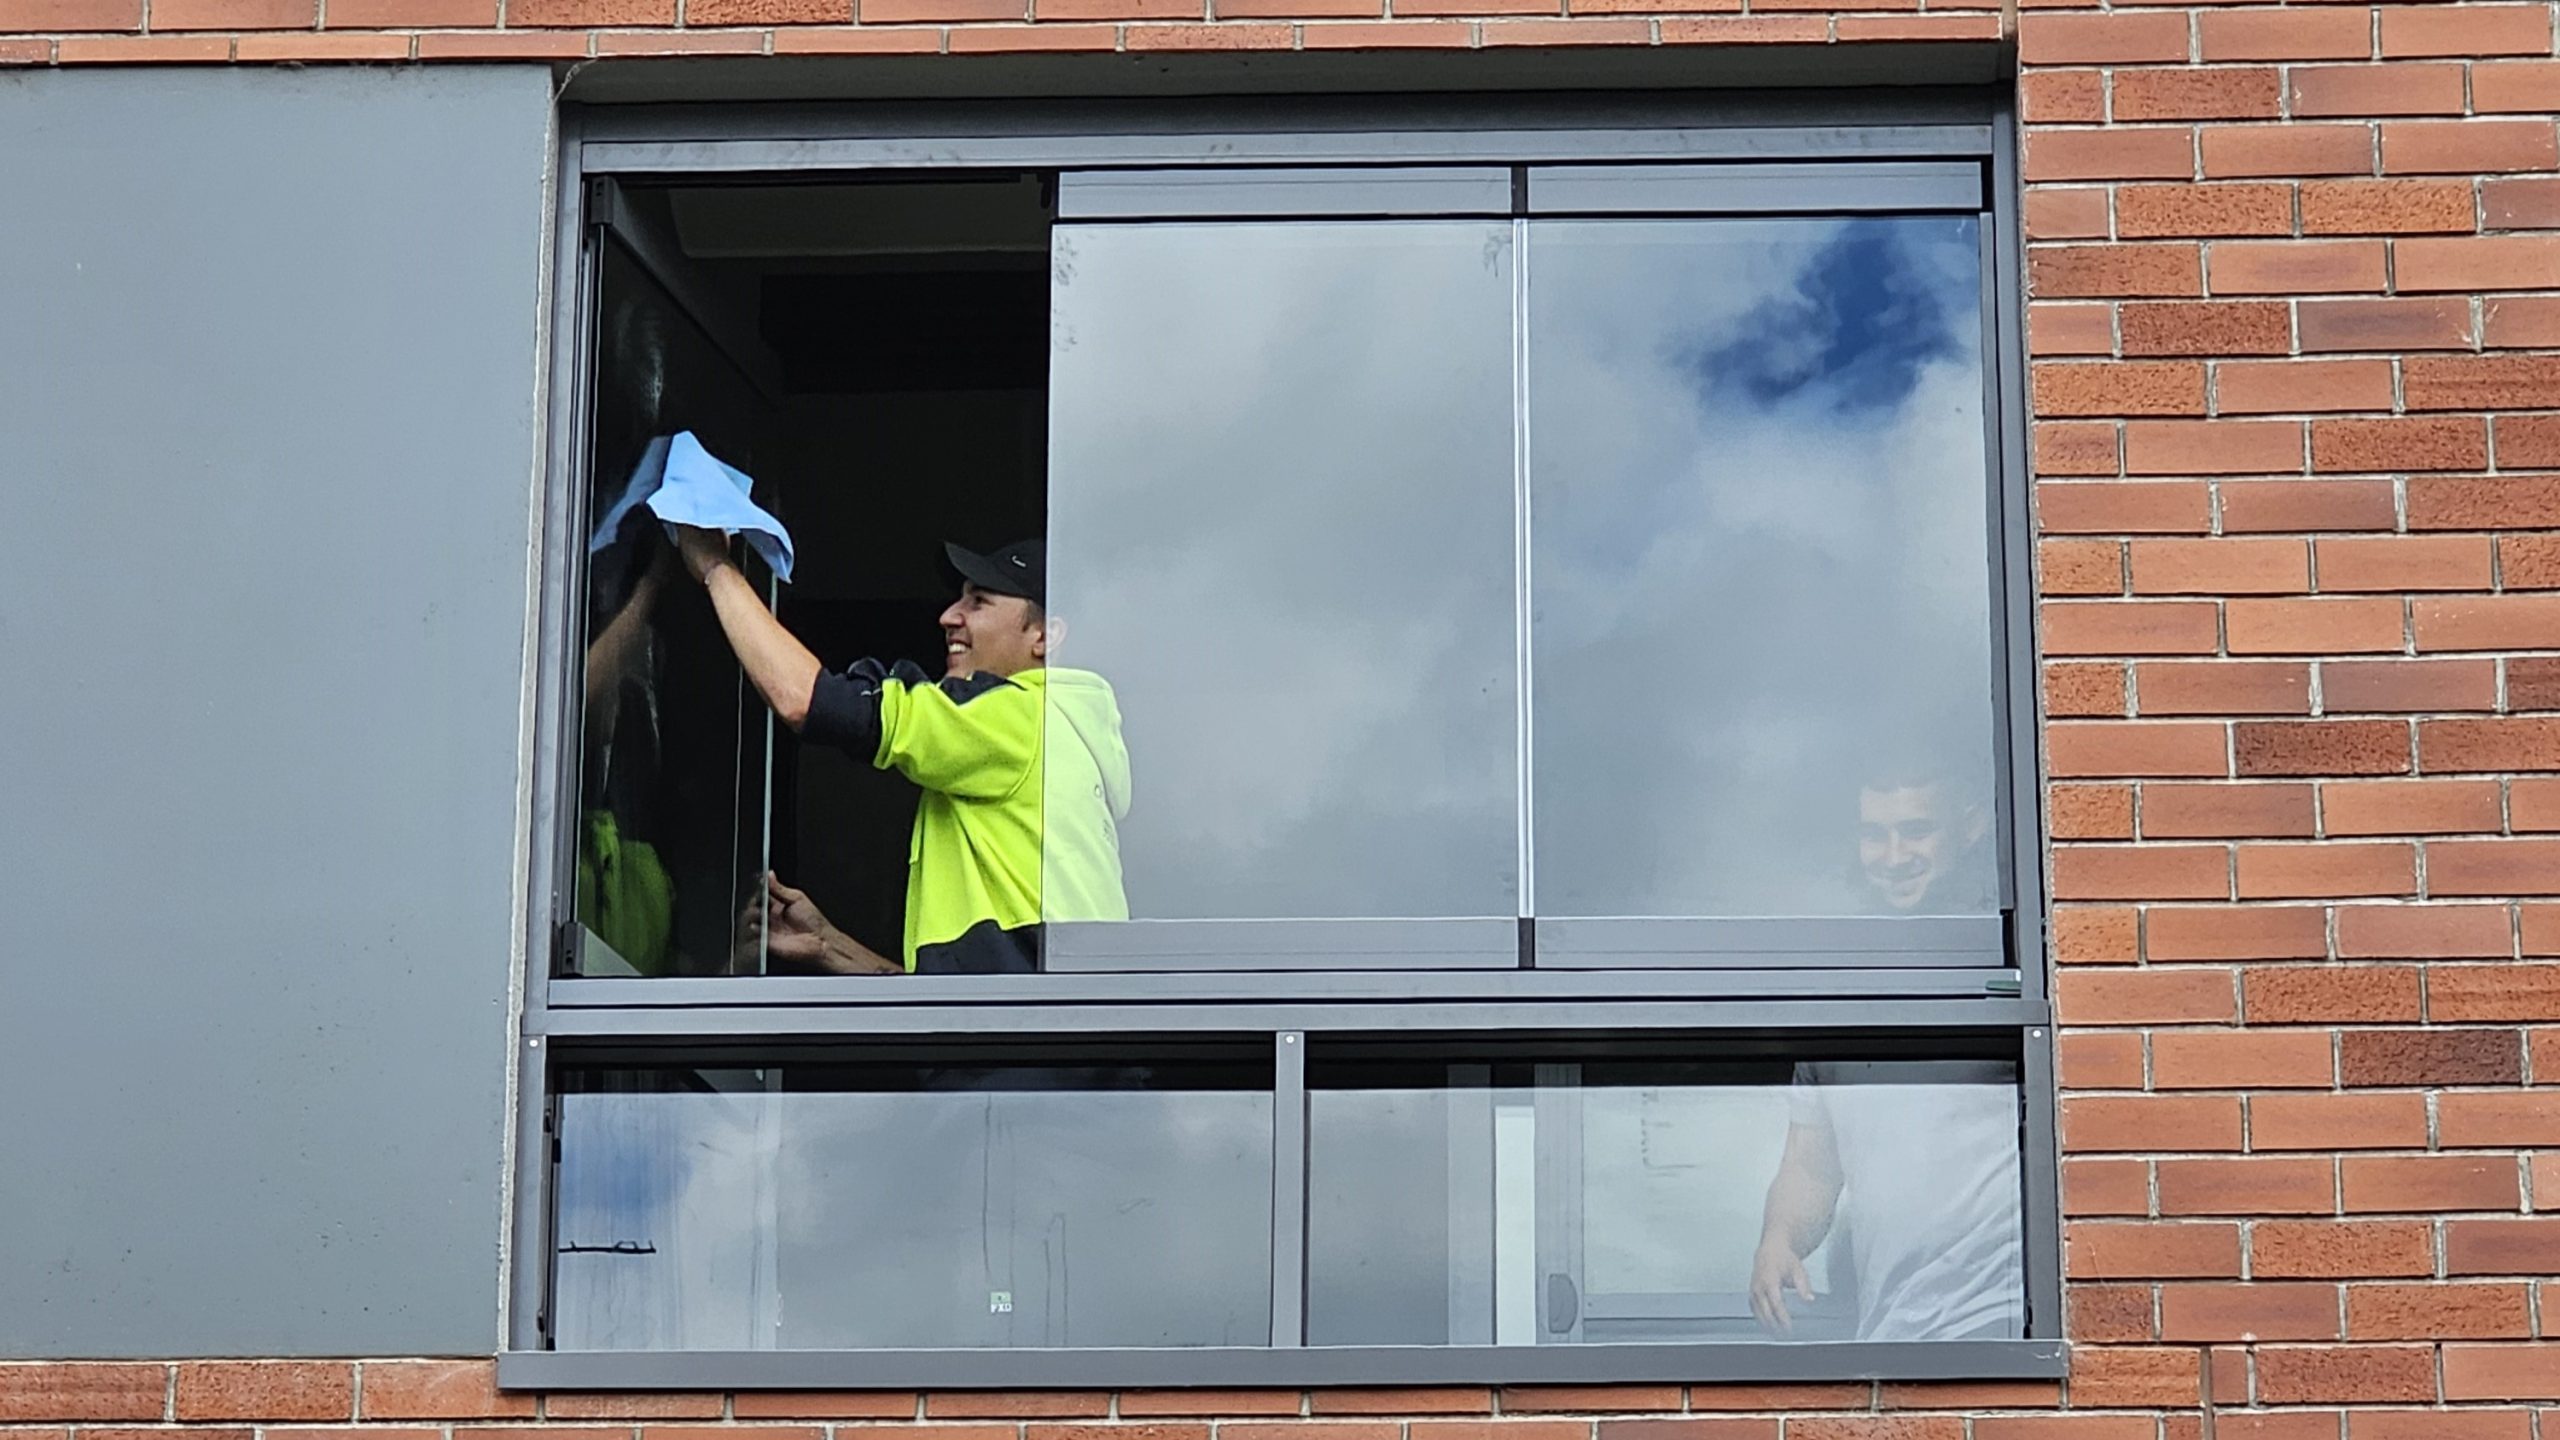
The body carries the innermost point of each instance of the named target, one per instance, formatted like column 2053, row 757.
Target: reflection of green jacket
column 1025, row 780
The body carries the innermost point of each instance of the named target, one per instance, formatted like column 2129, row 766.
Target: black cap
column 1021, row 568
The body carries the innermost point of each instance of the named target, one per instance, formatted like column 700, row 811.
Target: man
column 1024, row 774
column 1922, row 1156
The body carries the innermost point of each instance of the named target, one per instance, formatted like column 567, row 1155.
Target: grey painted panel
column 271, row 409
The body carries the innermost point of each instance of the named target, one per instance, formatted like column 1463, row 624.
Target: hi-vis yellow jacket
column 1025, row 781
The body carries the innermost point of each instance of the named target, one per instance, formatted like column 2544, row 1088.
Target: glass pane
column 820, row 1207
column 1667, row 1201
column 1760, row 568
column 671, row 798
column 1281, row 535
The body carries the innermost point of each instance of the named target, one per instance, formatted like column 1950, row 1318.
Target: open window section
column 938, row 1199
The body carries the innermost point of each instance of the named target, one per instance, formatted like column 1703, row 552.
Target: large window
column 1528, row 864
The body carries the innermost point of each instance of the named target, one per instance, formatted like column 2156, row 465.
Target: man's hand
column 1774, row 1270
column 704, row 550
column 786, row 925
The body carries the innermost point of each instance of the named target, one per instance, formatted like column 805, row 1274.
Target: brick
column 2276, row 871
column 2064, row 1427
column 2478, row 262
column 2488, row 622
column 2062, row 449
column 2072, row 329
column 2281, row 387
column 1715, row 1428
column 441, row 1390
column 170, row 15
column 2330, row 994
column 2532, row 684
column 2407, row 685
column 1588, row 1398
column 2220, row 93
column 2511, row 743
column 2094, row 1314
column 2515, row 87
column 2119, row 387
column 143, row 50
column 83, row 1392
column 2527, row 442
column 2493, row 867
column 2220, row 567
column 2480, row 382
column 2532, row 805
column 2149, row 1249
column 1293, row 1430
column 2421, row 30
column 1146, row 1403
column 1561, row 32
column 2430, row 1057
column 2470, row 1120
column 411, row 14
column 2065, row 272
column 66, row 15
column 2267, row 1425
column 2114, row 154
column 2444, row 502
column 2061, row 97
column 2345, row 1374
column 2435, row 1310
column 2129, row 1375
column 2337, row 1122
column 2321, row 91
column 2110, row 750
column 2309, row 505
column 2519, row 204
column 2408, row 807
column 297, row 48
column 2256, row 932
column 2421, row 324
column 2099, row 1060
column 2239, row 1060
column 2263, row 1311
column 1032, row 39
column 2085, row 689
column 2467, row 147
column 2081, row 567
column 2296, row 267
column 2119, row 38
column 2323, row 33
column 2501, row 1372
column 266, row 1390
column 2165, row 872
column 2440, row 1425
column 1034, row 1404
column 2320, row 747
column 2386, row 207
column 541, row 14
column 2236, row 151
column 2096, row 934
column 1795, row 30
column 2529, row 562
column 2515, row 322
column 2208, row 327
column 2223, row 687
column 2340, row 1249
column 1403, row 1400
column 2212, row 447
column 1779, row 1397
column 2446, row 442
column 2142, row 1124
column 818, row 1432
column 633, row 1405
column 2213, row 812
column 2501, row 1247
column 2405, row 563
column 2247, row 1186
column 2322, row 626
column 1968, row 1394
column 682, row 42
column 2149, row 997
column 2415, row 1184
column 2090, row 812
column 511, row 46
column 1875, row 1427
column 893, row 1404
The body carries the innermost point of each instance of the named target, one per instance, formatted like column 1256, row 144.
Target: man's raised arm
column 781, row 668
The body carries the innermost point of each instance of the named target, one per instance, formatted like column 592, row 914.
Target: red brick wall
column 2296, row 320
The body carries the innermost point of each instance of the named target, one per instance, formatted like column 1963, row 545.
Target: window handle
column 1564, row 1303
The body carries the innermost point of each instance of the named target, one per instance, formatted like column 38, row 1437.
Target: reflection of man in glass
column 1918, row 1161
column 1923, row 845
column 1024, row 774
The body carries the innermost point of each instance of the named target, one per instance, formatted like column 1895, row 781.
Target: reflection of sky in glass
column 962, row 1217
column 1761, row 569
column 1281, row 525
column 1663, row 1209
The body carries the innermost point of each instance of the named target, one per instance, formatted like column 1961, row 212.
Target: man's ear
column 1053, row 633
column 1976, row 823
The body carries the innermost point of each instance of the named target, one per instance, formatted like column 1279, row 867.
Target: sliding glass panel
column 1761, row 579
column 1663, row 1199
column 916, row 1206
column 1282, row 567
column 670, row 829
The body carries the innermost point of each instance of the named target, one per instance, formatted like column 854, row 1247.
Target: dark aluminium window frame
column 1838, row 154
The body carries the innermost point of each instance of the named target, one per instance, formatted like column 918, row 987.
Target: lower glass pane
column 1520, row 1202
column 916, row 1206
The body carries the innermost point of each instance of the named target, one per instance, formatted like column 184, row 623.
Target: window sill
column 1273, row 1367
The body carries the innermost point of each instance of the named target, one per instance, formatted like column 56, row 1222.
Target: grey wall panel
column 268, row 431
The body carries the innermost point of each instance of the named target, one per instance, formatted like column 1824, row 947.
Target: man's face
column 1908, row 839
column 995, row 633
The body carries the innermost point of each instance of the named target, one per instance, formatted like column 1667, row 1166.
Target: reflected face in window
column 999, row 634
column 1911, row 837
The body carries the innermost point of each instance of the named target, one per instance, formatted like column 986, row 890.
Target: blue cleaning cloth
column 684, row 484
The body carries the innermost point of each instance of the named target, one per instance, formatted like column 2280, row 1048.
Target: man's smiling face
column 998, row 634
